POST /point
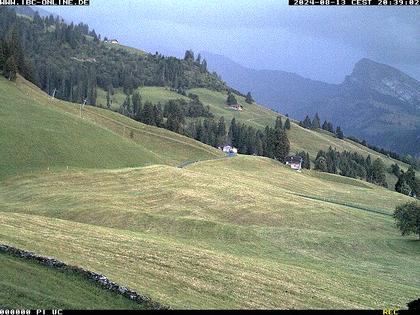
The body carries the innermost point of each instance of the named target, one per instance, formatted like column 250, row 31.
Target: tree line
column 352, row 164
column 191, row 118
column 315, row 123
column 405, row 159
column 338, row 132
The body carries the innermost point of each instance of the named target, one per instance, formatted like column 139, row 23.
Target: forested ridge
column 71, row 61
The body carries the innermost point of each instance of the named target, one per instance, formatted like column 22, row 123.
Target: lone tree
column 339, row 133
column 249, row 98
column 287, row 124
column 407, row 218
column 231, row 100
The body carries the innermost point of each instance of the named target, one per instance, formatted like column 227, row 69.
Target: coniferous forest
column 71, row 61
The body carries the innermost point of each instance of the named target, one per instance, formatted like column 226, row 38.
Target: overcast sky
column 321, row 43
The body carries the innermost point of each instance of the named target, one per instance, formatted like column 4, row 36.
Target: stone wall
column 92, row 276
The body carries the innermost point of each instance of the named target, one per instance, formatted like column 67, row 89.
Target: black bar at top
column 355, row 2
column 45, row 2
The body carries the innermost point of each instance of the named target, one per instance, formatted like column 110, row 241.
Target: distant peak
column 384, row 79
column 367, row 69
column 365, row 60
column 368, row 64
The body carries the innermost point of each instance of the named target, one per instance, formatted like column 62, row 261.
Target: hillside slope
column 40, row 133
column 259, row 116
column 245, row 232
column 28, row 285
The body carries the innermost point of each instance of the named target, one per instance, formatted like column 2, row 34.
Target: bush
column 407, row 218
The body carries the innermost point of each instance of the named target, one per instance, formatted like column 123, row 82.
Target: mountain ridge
column 376, row 102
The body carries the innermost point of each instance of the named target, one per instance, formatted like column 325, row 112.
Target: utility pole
column 81, row 107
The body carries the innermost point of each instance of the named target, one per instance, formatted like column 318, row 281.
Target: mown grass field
column 28, row 285
column 38, row 132
column 244, row 232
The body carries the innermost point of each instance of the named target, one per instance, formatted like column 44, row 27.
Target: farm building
column 231, row 151
column 112, row 41
column 295, row 162
column 237, row 107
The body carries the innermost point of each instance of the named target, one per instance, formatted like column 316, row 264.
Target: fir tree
column 232, row 135
column 279, row 123
column 10, row 68
column 307, row 162
column 221, row 132
column 2, row 56
column 108, row 99
column 231, row 100
column 189, row 55
column 175, row 118
column 402, row 187
column 330, row 127
column 158, row 115
column 316, row 124
column 204, row 65
column 249, row 98
column 339, row 133
column 395, row 169
column 287, row 125
column 137, row 105
column 307, row 123
column 281, row 146
column 410, row 178
column 148, row 114
column 378, row 173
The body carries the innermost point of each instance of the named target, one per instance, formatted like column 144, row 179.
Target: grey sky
column 317, row 42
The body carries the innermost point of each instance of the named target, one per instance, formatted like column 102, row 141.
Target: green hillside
column 40, row 133
column 28, row 285
column 258, row 116
column 245, row 232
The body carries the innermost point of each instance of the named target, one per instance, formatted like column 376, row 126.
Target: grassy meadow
column 244, row 232
column 29, row 285
column 41, row 133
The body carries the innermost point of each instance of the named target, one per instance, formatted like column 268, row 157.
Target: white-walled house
column 230, row 150
column 295, row 162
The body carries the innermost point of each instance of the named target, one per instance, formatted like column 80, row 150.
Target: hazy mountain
column 375, row 102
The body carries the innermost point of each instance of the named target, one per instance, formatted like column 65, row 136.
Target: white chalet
column 230, row 150
column 295, row 162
